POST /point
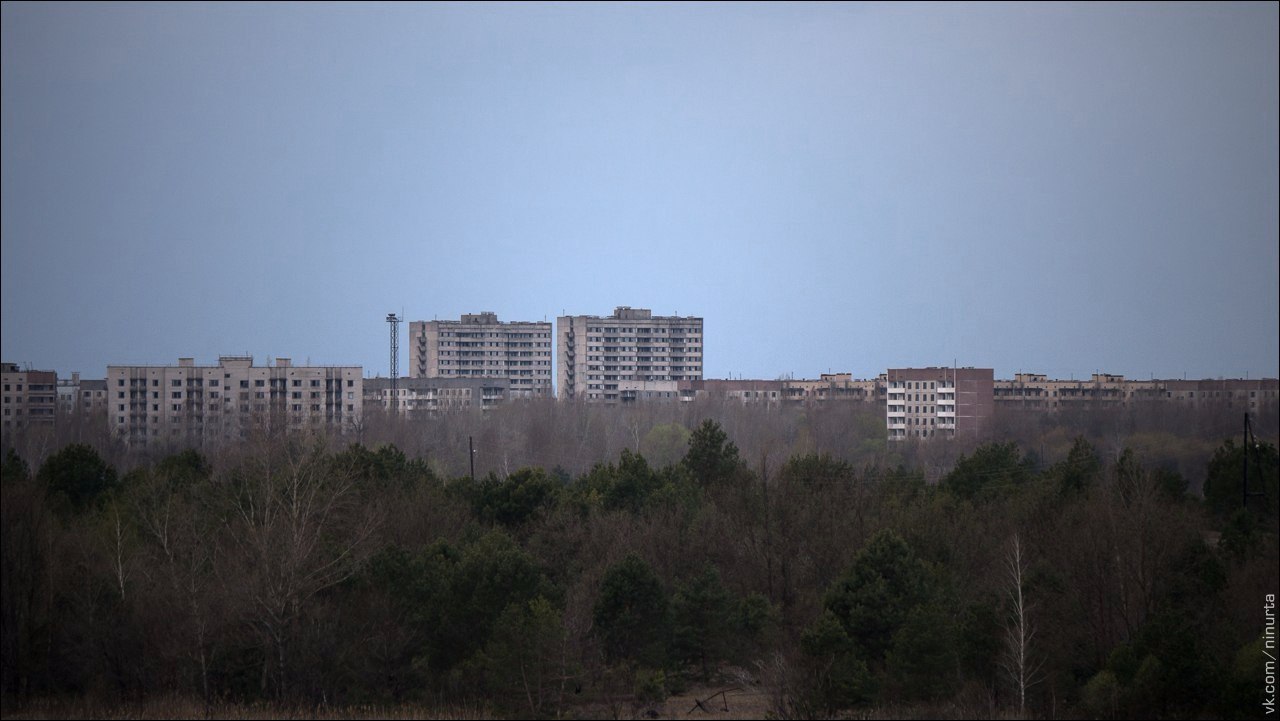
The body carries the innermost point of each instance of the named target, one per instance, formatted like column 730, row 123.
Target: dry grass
column 737, row 703
column 186, row 708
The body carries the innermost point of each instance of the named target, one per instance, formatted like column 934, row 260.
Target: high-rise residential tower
column 631, row 353
column 479, row 346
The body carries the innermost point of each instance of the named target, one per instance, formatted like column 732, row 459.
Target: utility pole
column 472, row 449
column 1244, row 481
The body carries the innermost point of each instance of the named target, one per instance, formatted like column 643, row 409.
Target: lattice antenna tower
column 394, row 321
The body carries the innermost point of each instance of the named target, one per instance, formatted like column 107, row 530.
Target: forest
column 598, row 561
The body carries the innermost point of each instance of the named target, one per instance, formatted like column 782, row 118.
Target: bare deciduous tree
column 300, row 527
column 1017, row 659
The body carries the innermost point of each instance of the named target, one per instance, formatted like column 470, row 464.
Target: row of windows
column 678, row 330
column 214, row 382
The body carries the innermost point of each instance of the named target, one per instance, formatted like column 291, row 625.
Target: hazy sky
column 847, row 187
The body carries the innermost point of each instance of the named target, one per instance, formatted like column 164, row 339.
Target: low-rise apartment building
column 208, row 405
column 30, row 397
column 425, row 397
column 1035, row 391
column 938, row 402
column 79, row 396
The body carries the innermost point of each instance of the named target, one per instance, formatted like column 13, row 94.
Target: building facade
column 208, row 405
column 616, row 358
column 1035, row 391
column 938, row 402
column 479, row 346
column 30, row 397
column 426, row 397
column 80, row 396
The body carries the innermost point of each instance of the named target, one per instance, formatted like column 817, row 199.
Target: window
column 176, row 383
column 258, row 383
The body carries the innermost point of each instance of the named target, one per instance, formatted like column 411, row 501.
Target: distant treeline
column 1026, row 578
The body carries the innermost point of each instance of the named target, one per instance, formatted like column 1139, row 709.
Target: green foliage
column 978, row 641
column 630, row 486
column 712, row 458
column 1243, row 695
column 922, row 662
column 78, row 474
column 701, row 612
column 1100, row 697
column 650, row 686
column 13, row 469
column 633, row 483
column 992, row 470
column 874, row 598
column 838, row 678
column 522, row 661
column 386, row 467
column 1242, row 536
column 1079, row 471
column 632, row 615
column 492, row 574
column 516, row 499
column 665, row 443
column 1223, row 483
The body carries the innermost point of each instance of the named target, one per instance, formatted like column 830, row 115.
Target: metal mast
column 394, row 321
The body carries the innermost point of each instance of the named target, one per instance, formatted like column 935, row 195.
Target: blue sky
column 847, row 187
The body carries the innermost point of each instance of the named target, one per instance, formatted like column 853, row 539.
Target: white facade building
column 479, row 346
column 610, row 359
column 213, row 404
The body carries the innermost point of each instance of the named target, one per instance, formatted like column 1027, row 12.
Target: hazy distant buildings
column 78, row 396
column 827, row 387
column 938, row 402
column 1034, row 391
column 425, row 397
column 479, row 346
column 30, row 397
column 630, row 355
column 201, row 405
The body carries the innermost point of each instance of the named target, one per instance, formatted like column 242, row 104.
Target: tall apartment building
column 938, row 402
column 479, row 346
column 30, row 397
column 208, row 405
column 631, row 353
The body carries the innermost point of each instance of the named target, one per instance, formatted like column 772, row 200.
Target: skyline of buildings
column 478, row 362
